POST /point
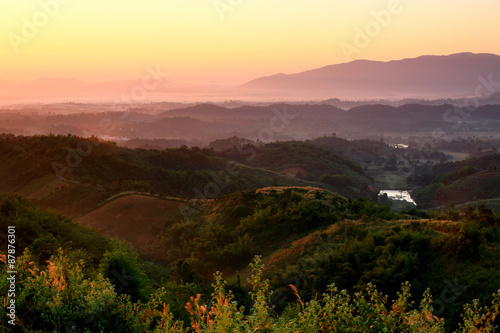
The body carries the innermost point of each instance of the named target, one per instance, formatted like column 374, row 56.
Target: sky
column 230, row 41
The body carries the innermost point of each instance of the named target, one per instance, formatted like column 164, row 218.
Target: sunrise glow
column 227, row 41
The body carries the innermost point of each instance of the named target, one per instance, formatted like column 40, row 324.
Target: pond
column 398, row 195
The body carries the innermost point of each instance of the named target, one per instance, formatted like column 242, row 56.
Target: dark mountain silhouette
column 426, row 76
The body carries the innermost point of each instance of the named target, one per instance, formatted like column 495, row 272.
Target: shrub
column 122, row 268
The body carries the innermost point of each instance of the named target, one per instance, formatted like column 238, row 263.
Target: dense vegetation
column 315, row 256
column 73, row 279
column 92, row 171
column 362, row 151
column 466, row 181
column 305, row 161
column 228, row 232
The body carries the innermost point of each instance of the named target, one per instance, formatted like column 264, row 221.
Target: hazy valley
column 123, row 211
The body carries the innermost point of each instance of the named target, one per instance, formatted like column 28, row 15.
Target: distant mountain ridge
column 455, row 75
column 426, row 77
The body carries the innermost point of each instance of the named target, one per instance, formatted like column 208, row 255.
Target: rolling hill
column 467, row 182
column 311, row 239
column 135, row 218
column 56, row 172
column 304, row 160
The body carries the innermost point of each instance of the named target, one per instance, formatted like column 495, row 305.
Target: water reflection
column 398, row 195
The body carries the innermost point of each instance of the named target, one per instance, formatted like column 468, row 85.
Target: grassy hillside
column 72, row 278
column 73, row 175
column 478, row 186
column 135, row 218
column 459, row 183
column 312, row 238
column 435, row 255
column 43, row 232
column 313, row 241
column 361, row 151
column 307, row 161
column 226, row 233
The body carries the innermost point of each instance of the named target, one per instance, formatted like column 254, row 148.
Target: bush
column 122, row 268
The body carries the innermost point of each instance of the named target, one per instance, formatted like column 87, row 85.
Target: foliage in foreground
column 61, row 296
column 73, row 280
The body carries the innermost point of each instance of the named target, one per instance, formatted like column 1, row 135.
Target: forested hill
column 52, row 169
column 71, row 174
column 474, row 181
column 318, row 249
column 307, row 161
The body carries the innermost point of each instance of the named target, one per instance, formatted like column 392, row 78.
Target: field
column 135, row 218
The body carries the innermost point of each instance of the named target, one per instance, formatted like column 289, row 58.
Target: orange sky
column 229, row 41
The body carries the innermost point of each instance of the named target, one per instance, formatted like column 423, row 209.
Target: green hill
column 73, row 175
column 311, row 239
column 194, row 212
column 459, row 183
column 306, row 161
column 135, row 218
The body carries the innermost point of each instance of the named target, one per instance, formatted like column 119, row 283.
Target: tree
column 122, row 268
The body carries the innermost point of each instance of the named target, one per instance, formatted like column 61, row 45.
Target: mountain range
column 455, row 76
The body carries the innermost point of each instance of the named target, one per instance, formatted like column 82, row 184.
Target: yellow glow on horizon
column 106, row 40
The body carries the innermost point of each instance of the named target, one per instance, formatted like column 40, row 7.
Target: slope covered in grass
column 71, row 278
column 73, row 175
column 458, row 183
column 135, row 218
column 307, row 161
